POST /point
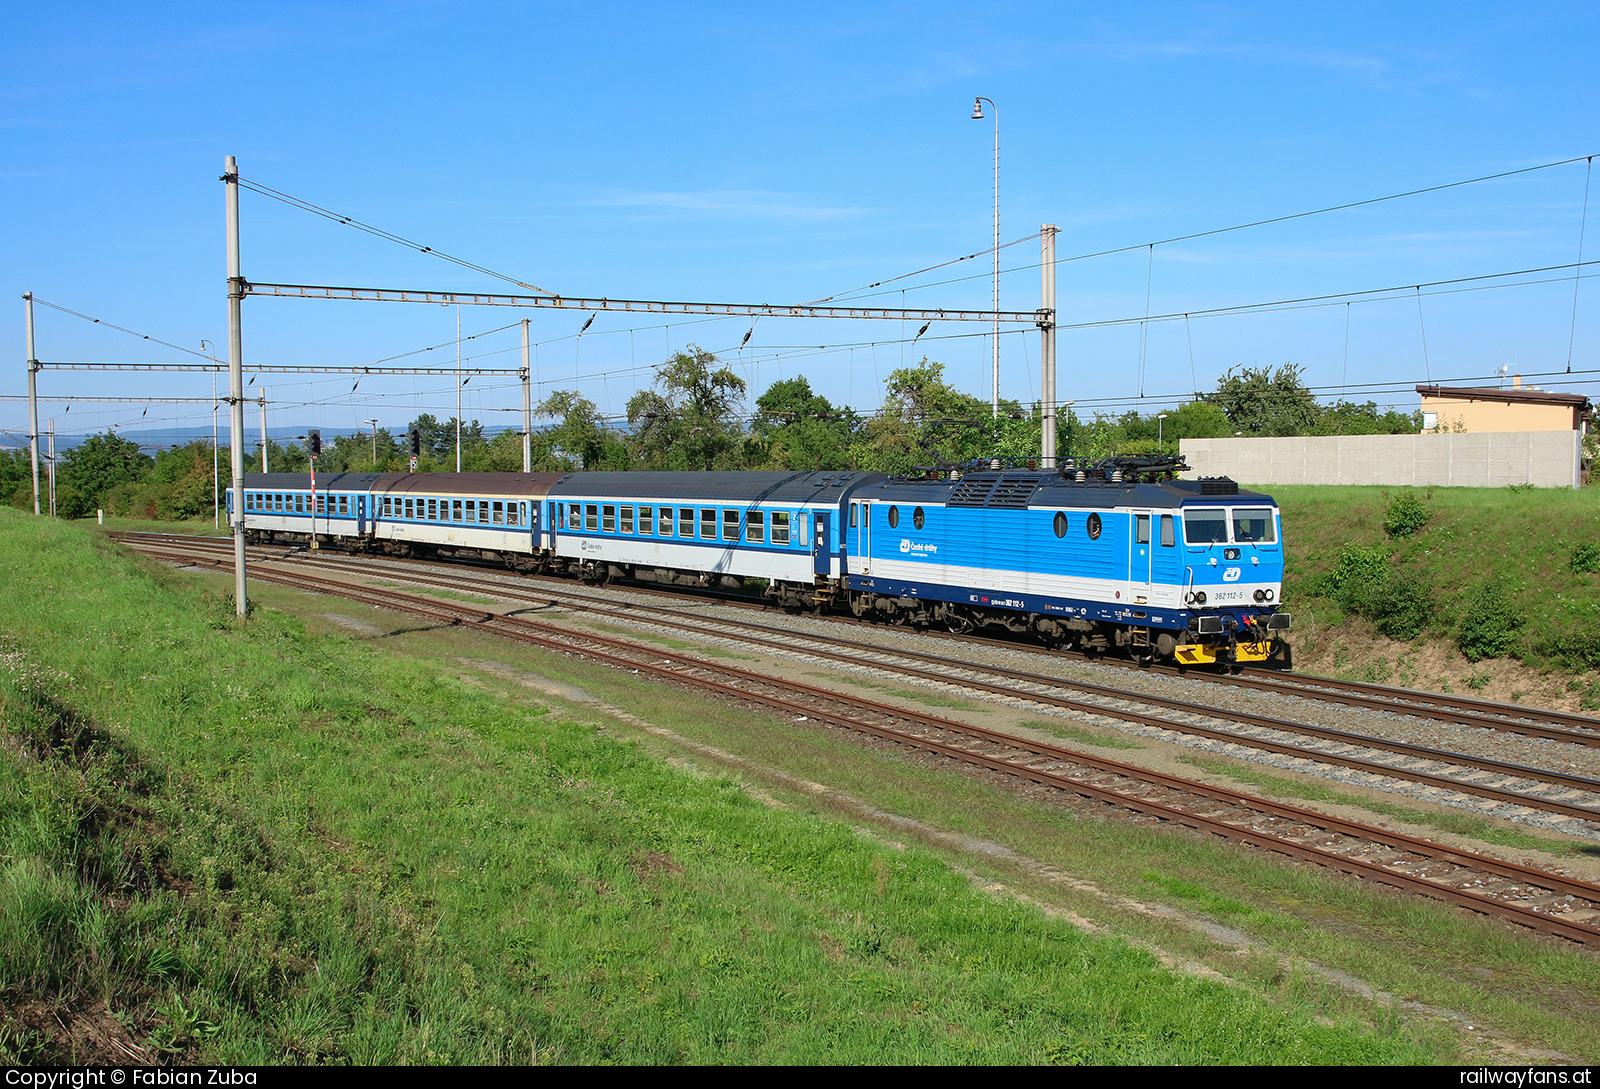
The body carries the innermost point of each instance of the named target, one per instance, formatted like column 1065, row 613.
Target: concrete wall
column 1547, row 459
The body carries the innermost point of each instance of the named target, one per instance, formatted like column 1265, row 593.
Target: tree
column 795, row 428
column 1260, row 401
column 92, row 468
column 580, row 440
column 1349, row 418
column 924, row 419
column 690, row 421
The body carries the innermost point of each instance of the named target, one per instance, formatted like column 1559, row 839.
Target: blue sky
column 747, row 153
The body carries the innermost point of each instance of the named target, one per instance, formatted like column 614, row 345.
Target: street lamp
column 374, row 424
column 977, row 115
column 1159, row 417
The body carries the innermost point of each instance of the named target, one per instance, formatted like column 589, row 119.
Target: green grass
column 1078, row 733
column 1465, row 824
column 264, row 845
column 926, row 697
column 1523, row 538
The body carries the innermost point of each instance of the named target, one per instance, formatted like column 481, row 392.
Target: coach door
column 819, row 543
column 860, row 551
column 361, row 515
column 1139, row 556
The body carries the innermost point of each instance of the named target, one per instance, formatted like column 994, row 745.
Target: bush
column 1355, row 574
column 1402, row 605
column 1586, row 559
column 1405, row 515
column 1490, row 624
column 1577, row 649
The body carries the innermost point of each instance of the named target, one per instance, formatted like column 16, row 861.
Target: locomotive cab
column 1233, row 580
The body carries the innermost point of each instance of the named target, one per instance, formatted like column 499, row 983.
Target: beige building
column 1457, row 409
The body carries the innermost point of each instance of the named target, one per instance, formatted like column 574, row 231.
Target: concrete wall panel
column 1546, row 459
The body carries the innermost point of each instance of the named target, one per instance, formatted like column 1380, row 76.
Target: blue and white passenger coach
column 709, row 529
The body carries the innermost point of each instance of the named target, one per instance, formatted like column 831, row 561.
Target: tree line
column 693, row 417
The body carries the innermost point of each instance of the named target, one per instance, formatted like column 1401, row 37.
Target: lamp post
column 977, row 115
column 1159, row 417
column 374, row 424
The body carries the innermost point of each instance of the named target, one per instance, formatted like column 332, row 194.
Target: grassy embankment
column 1541, row 547
column 267, row 845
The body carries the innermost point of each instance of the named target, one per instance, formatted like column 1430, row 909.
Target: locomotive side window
column 1061, row 524
column 730, row 525
column 1168, row 538
column 647, row 522
column 1093, row 527
column 755, row 527
column 686, row 522
column 1201, row 526
column 853, row 507
column 894, row 517
column 780, row 527
column 1254, row 526
column 627, row 519
column 608, row 517
column 917, row 517
column 1141, row 529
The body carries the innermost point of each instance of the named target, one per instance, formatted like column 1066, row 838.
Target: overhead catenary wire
column 379, row 232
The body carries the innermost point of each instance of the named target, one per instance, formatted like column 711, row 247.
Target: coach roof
column 826, row 486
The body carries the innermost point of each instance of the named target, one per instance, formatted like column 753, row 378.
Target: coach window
column 574, row 516
column 1168, row 537
column 1093, row 527
column 730, row 525
column 299, row 504
column 322, row 504
column 455, row 511
column 1141, row 529
column 685, row 522
column 511, row 513
column 894, row 517
column 408, row 507
column 344, row 504
column 1061, row 524
column 627, row 519
column 471, row 515
column 780, row 527
column 608, row 518
column 708, row 523
column 755, row 527
column 647, row 522
column 591, row 516
column 917, row 517
column 499, row 515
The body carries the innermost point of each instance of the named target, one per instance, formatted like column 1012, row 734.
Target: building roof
column 1507, row 396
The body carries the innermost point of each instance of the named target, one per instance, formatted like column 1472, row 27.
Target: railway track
column 1519, row 789
column 1551, row 903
